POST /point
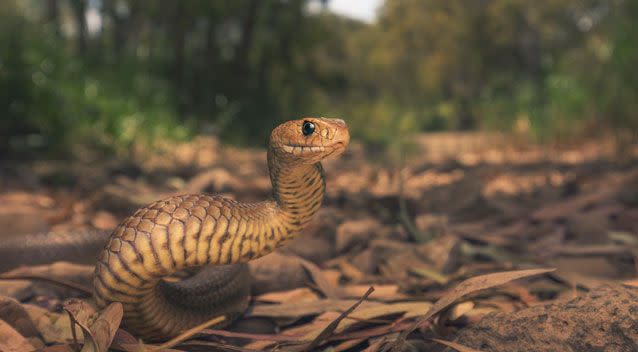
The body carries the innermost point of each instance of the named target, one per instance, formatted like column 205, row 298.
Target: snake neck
column 298, row 190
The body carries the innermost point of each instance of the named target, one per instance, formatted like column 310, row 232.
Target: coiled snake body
column 188, row 231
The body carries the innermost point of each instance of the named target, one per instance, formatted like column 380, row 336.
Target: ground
column 459, row 207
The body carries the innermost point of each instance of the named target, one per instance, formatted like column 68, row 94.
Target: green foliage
column 556, row 68
column 56, row 101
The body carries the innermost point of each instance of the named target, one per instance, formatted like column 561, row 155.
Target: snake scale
column 210, row 232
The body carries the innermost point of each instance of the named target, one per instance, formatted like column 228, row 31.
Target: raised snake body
column 189, row 231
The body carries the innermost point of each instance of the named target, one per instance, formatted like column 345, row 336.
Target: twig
column 52, row 280
column 76, row 344
column 188, row 333
column 328, row 330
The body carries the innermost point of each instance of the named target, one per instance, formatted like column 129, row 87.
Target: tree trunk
column 247, row 34
column 178, row 34
column 79, row 12
column 52, row 16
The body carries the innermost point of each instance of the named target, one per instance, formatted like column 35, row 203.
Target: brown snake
column 191, row 231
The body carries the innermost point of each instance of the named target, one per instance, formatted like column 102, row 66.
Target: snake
column 209, row 235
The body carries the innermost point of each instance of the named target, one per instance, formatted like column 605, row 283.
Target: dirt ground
column 428, row 235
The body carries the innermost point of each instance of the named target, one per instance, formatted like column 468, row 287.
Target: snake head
column 310, row 140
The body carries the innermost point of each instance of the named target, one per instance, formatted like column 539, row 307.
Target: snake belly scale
column 191, row 231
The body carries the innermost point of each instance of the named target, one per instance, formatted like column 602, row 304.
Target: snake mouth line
column 292, row 148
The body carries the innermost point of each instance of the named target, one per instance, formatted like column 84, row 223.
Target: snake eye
column 307, row 128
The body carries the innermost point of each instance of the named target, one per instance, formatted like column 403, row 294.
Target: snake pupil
column 307, row 128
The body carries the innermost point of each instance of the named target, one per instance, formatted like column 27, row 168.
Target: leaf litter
column 437, row 240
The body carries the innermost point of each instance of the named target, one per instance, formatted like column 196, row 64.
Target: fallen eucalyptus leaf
column 98, row 328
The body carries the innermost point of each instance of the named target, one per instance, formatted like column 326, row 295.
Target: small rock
column 602, row 320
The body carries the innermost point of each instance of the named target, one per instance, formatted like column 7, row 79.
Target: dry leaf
column 464, row 288
column 98, row 331
column 350, row 271
column 59, row 348
column 277, row 272
column 381, row 292
column 410, row 309
column 12, row 341
column 185, row 335
column 14, row 314
column 329, row 288
column 312, row 330
column 64, row 275
column 302, row 333
column 563, row 209
column 430, row 274
column 346, row 345
column 250, row 336
column 302, row 294
column 328, row 330
column 375, row 346
column 54, row 327
column 459, row 310
column 455, row 346
column 294, row 309
column 104, row 220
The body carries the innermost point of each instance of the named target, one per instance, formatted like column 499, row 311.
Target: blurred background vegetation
column 108, row 74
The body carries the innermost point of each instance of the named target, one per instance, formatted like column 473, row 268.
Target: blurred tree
column 116, row 72
column 79, row 14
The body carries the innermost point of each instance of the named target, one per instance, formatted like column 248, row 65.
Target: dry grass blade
column 464, row 288
column 189, row 333
column 455, row 346
column 298, row 309
column 375, row 346
column 333, row 325
column 53, row 280
column 218, row 346
column 257, row 337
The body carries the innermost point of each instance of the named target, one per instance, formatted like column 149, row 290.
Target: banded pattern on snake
column 199, row 230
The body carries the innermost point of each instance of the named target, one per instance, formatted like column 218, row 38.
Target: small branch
column 328, row 330
column 189, row 333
